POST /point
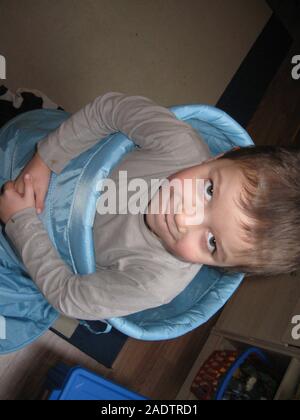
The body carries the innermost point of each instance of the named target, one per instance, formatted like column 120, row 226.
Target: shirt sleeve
column 101, row 295
column 149, row 125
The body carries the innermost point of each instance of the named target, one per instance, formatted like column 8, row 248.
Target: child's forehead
column 223, row 166
column 219, row 169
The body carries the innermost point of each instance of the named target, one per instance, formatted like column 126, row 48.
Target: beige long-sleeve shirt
column 134, row 270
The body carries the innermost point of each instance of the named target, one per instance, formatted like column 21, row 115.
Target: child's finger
column 29, row 192
column 8, row 186
column 39, row 202
column 19, row 185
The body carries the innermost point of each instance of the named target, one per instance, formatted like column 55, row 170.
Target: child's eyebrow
column 218, row 177
column 218, row 185
column 220, row 247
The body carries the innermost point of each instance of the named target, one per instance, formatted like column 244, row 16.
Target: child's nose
column 190, row 211
column 189, row 220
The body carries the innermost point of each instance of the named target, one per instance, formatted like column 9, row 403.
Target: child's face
column 202, row 243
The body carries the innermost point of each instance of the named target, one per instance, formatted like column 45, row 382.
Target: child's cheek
column 186, row 249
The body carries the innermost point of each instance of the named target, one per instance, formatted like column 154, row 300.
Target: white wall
column 174, row 51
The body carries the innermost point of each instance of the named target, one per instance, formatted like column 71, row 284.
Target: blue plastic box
column 80, row 384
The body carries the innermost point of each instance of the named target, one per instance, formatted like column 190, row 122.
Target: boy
column 146, row 260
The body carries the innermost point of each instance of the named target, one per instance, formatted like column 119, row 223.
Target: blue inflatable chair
column 24, row 313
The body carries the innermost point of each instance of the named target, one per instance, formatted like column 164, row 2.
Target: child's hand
column 11, row 201
column 40, row 175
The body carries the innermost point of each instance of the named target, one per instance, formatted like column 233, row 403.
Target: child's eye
column 209, row 188
column 212, row 247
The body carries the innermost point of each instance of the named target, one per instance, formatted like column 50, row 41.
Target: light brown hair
column 270, row 197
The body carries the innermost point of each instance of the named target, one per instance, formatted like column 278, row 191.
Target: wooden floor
column 155, row 369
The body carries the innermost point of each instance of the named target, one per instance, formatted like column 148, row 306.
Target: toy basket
column 228, row 375
column 206, row 382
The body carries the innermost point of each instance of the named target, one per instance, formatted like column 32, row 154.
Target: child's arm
column 101, row 295
column 149, row 125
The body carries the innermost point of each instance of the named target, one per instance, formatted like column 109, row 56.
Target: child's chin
column 169, row 248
